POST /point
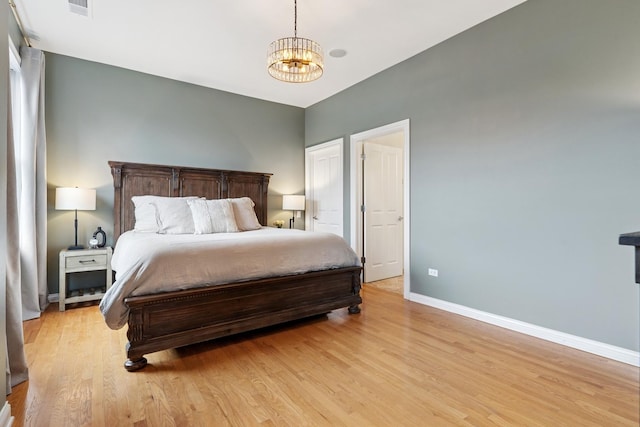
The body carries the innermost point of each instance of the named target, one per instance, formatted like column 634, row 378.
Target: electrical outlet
column 433, row 272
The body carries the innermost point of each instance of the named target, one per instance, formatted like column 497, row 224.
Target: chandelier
column 294, row 59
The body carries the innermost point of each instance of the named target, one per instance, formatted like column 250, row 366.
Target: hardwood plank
column 396, row 363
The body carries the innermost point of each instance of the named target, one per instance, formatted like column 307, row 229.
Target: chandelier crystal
column 295, row 59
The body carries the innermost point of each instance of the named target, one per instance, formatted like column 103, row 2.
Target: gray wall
column 96, row 113
column 525, row 141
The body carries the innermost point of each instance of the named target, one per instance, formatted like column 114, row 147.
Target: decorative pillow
column 145, row 214
column 244, row 214
column 172, row 214
column 212, row 216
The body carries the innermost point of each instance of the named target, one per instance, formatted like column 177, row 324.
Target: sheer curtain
column 26, row 207
column 16, row 361
column 33, row 185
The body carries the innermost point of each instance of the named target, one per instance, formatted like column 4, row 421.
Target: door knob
column 400, row 218
column 315, row 217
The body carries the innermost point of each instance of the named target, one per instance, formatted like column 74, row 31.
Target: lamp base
column 75, row 247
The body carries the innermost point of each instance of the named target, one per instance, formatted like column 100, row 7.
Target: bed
column 164, row 319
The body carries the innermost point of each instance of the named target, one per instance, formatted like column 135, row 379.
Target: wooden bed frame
column 174, row 319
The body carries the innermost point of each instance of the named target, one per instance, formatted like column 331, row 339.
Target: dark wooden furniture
column 633, row 239
column 138, row 179
column 174, row 319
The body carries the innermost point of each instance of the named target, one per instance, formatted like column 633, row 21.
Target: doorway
column 380, row 202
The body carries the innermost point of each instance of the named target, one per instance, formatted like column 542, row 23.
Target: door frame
column 308, row 184
column 356, row 196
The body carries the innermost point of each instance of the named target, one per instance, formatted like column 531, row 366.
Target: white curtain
column 16, row 361
column 32, row 174
column 26, row 208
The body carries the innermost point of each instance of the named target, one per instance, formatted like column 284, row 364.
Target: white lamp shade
column 74, row 198
column 293, row 202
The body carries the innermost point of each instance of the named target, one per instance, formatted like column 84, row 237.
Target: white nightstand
column 74, row 261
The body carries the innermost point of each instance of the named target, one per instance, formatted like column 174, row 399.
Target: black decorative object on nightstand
column 103, row 240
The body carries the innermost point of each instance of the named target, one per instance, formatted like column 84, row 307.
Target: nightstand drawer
column 86, row 261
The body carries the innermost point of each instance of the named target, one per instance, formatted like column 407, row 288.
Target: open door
column 383, row 211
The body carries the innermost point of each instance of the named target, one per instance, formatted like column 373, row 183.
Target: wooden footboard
column 175, row 319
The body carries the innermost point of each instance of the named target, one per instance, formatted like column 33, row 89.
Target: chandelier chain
column 295, row 18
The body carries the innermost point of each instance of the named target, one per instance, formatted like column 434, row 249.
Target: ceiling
column 222, row 44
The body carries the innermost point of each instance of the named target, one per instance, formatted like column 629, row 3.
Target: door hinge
column 362, row 260
column 363, row 156
column 363, row 208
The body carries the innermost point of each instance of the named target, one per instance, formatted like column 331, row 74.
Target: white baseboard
column 595, row 347
column 53, row 298
column 6, row 420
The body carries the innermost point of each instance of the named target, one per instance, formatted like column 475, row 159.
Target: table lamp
column 75, row 199
column 293, row 203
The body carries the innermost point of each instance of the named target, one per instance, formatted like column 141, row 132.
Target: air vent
column 81, row 7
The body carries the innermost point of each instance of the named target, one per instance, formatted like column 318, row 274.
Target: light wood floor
column 395, row 364
column 393, row 284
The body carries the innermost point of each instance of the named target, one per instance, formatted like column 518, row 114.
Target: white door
column 324, row 187
column 383, row 212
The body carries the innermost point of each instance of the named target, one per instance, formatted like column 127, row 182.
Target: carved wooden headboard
column 138, row 179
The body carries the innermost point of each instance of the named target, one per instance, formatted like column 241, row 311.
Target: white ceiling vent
column 81, row 7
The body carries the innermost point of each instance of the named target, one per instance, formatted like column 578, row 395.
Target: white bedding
column 147, row 263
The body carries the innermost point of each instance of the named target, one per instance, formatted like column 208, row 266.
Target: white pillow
column 172, row 214
column 244, row 214
column 145, row 214
column 212, row 216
